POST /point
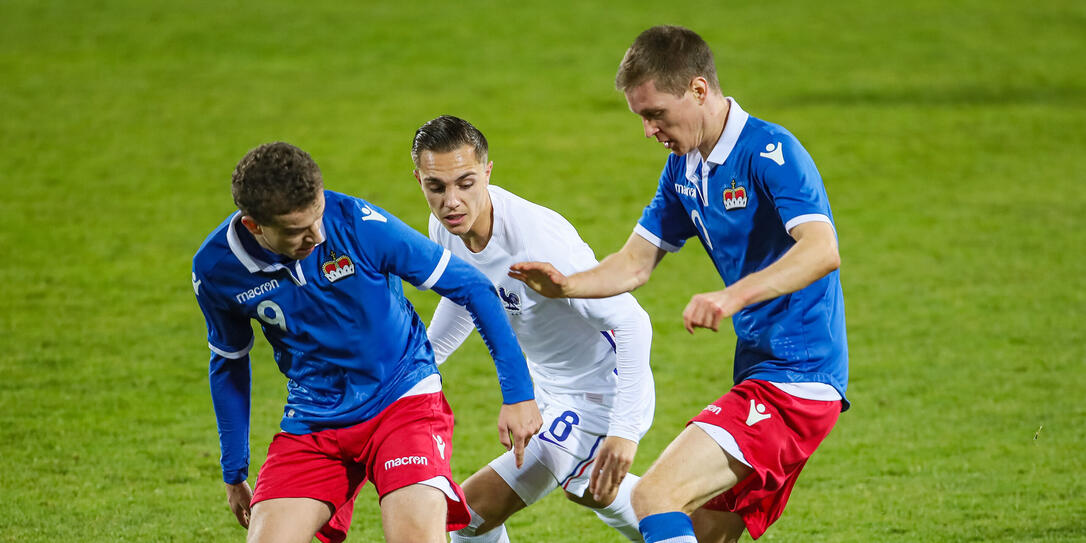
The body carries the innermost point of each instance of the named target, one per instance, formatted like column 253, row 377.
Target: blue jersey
column 341, row 330
column 756, row 185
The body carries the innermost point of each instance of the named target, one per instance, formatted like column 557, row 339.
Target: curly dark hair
column 275, row 179
column 671, row 56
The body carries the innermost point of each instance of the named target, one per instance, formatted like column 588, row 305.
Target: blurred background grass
column 950, row 137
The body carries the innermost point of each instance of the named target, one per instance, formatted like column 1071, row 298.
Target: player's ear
column 417, row 176
column 489, row 168
column 700, row 87
column 251, row 225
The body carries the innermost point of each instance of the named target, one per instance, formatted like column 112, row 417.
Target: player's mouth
column 302, row 253
column 455, row 219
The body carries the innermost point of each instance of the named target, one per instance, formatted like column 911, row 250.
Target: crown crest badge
column 338, row 267
column 735, row 197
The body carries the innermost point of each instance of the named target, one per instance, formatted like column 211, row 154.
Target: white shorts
column 562, row 453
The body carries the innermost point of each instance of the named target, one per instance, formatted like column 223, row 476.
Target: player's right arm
column 664, row 227
column 230, row 393
column 618, row 273
column 229, row 338
column 449, row 327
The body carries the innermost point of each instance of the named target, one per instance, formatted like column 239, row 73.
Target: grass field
column 951, row 137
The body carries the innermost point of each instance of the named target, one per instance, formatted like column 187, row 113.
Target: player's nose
column 452, row 198
column 650, row 128
column 314, row 234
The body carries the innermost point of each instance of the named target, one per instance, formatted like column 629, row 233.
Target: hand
column 239, row 497
column 612, row 464
column 517, row 423
column 707, row 309
column 541, row 277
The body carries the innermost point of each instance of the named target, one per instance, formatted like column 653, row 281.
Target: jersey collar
column 737, row 119
column 255, row 264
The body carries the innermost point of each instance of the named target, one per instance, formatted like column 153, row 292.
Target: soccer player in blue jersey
column 321, row 273
column 752, row 195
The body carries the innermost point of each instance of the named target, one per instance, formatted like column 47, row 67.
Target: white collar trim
column 737, row 119
column 254, row 264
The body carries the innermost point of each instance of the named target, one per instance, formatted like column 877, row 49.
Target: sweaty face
column 293, row 234
column 673, row 120
column 454, row 184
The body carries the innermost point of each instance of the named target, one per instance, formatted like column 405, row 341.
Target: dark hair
column 671, row 56
column 275, row 179
column 447, row 133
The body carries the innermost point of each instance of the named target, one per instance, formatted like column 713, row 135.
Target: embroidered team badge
column 511, row 300
column 337, row 268
column 735, row 197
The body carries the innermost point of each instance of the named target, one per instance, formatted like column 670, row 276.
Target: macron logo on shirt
column 368, row 214
column 774, row 153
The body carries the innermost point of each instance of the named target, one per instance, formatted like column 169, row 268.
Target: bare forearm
column 613, row 276
column 811, row 258
column 618, row 273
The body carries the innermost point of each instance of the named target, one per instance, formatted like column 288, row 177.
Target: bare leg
column 717, row 526
column 414, row 514
column 691, row 471
column 492, row 500
column 614, row 509
column 287, row 520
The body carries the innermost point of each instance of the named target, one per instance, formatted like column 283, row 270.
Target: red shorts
column 407, row 443
column 777, row 433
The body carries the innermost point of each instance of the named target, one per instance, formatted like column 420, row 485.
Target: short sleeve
column 393, row 247
column 665, row 222
column 794, row 182
column 229, row 334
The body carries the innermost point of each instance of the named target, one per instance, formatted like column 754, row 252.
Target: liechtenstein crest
column 337, row 267
column 735, row 197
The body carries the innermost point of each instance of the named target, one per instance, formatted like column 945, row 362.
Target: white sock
column 620, row 514
column 467, row 535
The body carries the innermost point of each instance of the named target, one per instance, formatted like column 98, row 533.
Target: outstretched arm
column 519, row 418
column 812, row 257
column 618, row 273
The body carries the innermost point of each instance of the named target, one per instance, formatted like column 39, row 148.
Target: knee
column 642, row 498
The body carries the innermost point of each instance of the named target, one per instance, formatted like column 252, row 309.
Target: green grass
column 951, row 137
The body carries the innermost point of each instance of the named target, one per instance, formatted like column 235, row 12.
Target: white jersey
column 596, row 349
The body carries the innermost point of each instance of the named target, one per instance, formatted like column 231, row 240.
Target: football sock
column 620, row 514
column 468, row 535
column 497, row 535
column 673, row 527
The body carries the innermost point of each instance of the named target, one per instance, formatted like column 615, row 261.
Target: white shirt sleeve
column 633, row 342
column 448, row 329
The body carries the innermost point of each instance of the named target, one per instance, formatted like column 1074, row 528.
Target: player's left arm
column 812, row 257
column 398, row 249
column 803, row 207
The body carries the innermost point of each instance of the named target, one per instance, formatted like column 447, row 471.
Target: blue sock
column 674, row 527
